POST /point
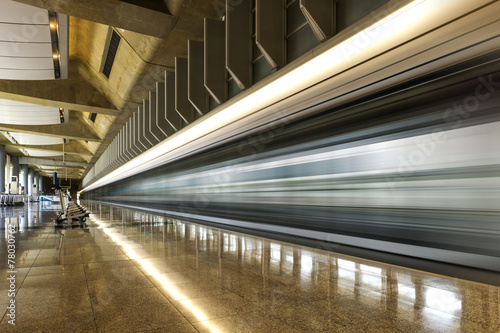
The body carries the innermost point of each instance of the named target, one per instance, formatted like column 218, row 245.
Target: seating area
column 11, row 199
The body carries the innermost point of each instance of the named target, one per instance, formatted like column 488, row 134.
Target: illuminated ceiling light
column 55, row 56
column 397, row 27
column 52, row 26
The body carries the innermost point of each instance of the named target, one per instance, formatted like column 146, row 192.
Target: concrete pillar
column 40, row 184
column 14, row 162
column 35, row 181
column 24, row 177
column 30, row 181
column 7, row 172
column 2, row 168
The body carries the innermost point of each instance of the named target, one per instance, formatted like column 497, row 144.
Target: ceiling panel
column 44, row 118
column 24, row 33
column 12, row 49
column 26, row 44
column 28, row 120
column 41, row 153
column 33, row 139
column 26, row 63
column 6, row 104
column 19, row 74
column 15, row 12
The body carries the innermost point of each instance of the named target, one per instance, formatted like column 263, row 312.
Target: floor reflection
column 283, row 279
column 134, row 271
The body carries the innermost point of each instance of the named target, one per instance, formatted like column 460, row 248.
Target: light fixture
column 55, row 56
column 52, row 26
column 406, row 23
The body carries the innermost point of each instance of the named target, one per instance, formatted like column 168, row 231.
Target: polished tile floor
column 131, row 271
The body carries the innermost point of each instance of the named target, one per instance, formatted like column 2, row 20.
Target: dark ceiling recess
column 92, row 117
column 114, row 42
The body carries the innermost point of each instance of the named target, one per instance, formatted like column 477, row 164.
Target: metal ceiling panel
column 33, row 139
column 42, row 153
column 24, row 33
column 19, row 113
column 26, row 63
column 13, row 49
column 19, row 74
column 14, row 12
column 26, row 51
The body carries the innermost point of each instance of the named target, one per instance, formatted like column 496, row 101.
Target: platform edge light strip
column 401, row 22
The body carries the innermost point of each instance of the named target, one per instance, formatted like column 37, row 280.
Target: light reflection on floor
column 135, row 271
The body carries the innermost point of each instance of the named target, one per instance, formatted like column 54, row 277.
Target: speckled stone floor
column 131, row 271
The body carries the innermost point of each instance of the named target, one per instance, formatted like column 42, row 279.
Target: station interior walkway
column 132, row 271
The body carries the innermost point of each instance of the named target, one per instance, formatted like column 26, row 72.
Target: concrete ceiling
column 153, row 34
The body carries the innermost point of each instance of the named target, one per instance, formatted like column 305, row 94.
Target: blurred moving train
column 411, row 167
column 412, row 170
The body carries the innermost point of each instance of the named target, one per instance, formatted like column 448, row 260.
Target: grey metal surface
column 197, row 94
column 270, row 31
column 150, row 119
column 172, row 116
column 162, row 128
column 321, row 17
column 142, row 125
column 238, row 42
column 182, row 104
column 215, row 59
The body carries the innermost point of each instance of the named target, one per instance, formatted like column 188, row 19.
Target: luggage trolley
column 70, row 211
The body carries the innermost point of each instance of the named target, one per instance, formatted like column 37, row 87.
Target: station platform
column 133, row 271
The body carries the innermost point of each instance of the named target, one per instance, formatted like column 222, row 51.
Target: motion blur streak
column 400, row 157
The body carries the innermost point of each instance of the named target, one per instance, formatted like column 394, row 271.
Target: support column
column 35, row 181
column 30, row 181
column 2, row 168
column 40, row 184
column 7, row 172
column 24, row 177
column 14, row 161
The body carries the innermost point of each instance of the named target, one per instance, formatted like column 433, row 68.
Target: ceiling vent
column 114, row 42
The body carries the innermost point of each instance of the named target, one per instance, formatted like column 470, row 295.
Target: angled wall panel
column 321, row 17
column 137, row 130
column 128, row 138
column 132, row 147
column 173, row 118
column 270, row 31
column 215, row 59
column 142, row 125
column 239, row 42
column 197, row 94
column 162, row 126
column 182, row 104
column 154, row 135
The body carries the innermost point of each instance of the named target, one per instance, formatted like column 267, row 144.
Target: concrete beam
column 113, row 13
column 74, row 130
column 41, row 161
column 75, row 93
